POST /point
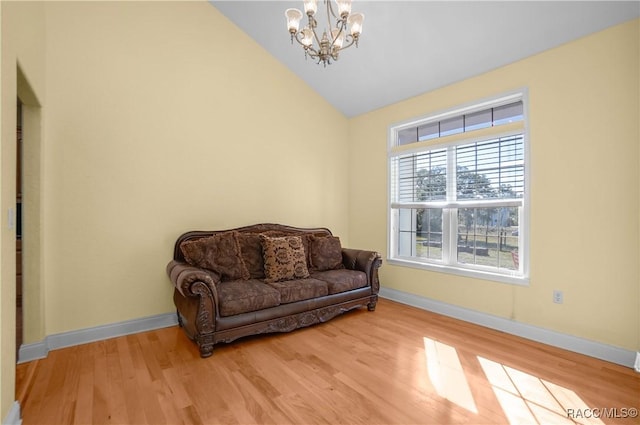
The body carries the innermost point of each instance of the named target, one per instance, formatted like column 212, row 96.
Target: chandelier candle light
column 344, row 34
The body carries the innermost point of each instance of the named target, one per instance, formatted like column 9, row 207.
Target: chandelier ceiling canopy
column 345, row 33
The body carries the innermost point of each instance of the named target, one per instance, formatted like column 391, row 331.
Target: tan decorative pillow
column 284, row 258
column 325, row 253
column 220, row 253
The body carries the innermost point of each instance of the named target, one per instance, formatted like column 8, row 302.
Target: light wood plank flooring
column 397, row 365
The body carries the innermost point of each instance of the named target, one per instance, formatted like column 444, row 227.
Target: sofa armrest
column 198, row 306
column 365, row 261
column 184, row 276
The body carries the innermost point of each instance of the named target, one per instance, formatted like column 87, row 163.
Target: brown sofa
column 266, row 278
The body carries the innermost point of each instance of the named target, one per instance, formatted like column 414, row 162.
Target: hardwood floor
column 398, row 365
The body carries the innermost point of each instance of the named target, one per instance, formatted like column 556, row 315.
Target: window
column 458, row 197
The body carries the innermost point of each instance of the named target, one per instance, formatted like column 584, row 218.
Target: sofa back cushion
column 325, row 253
column 284, row 258
column 220, row 253
column 251, row 252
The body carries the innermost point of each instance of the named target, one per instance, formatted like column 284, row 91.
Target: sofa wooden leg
column 206, row 352
column 371, row 306
column 205, row 343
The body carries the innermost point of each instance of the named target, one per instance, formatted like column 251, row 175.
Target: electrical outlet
column 558, row 296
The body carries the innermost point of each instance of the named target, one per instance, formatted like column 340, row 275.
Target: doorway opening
column 18, row 224
column 27, row 219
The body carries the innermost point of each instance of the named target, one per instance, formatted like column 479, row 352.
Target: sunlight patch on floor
column 527, row 399
column 447, row 375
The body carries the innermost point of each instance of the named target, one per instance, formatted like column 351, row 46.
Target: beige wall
column 161, row 118
column 584, row 139
column 23, row 74
column 157, row 118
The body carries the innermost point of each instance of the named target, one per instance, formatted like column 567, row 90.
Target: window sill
column 477, row 274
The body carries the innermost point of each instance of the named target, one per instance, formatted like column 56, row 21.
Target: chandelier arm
column 312, row 52
column 349, row 40
column 341, row 25
column 315, row 35
column 297, row 38
column 309, row 50
column 329, row 14
column 330, row 11
column 312, row 25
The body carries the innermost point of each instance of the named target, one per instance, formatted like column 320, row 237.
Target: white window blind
column 490, row 171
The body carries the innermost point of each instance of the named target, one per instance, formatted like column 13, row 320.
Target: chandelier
column 345, row 33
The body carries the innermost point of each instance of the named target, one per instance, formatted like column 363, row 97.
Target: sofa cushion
column 284, row 258
column 220, row 253
column 241, row 296
column 251, row 252
column 341, row 280
column 326, row 253
column 300, row 289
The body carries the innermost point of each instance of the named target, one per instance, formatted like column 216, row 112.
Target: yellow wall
column 22, row 34
column 161, row 118
column 157, row 118
column 584, row 139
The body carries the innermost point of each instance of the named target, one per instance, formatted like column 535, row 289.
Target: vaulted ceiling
column 412, row 47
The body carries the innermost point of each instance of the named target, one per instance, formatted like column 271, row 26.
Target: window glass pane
column 429, row 131
column 451, row 126
column 420, row 233
column 406, row 220
column 430, row 179
column 490, row 169
column 466, row 234
column 405, row 244
column 407, row 232
column 476, row 120
column 512, row 169
column 422, row 176
column 409, row 135
column 508, row 113
column 429, row 233
column 406, row 176
column 488, row 237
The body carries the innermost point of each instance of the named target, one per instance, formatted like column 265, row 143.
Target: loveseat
column 266, row 278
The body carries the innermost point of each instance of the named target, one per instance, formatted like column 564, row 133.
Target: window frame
column 396, row 149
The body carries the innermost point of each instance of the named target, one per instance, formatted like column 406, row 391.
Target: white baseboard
column 40, row 350
column 568, row 342
column 14, row 416
column 636, row 365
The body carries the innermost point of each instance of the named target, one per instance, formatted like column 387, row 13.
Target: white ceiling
column 412, row 47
